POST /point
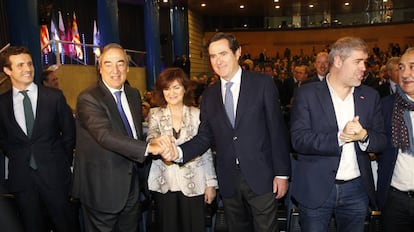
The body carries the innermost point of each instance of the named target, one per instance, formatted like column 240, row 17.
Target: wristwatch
column 365, row 139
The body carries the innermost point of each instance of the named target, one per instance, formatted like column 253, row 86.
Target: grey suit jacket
column 105, row 154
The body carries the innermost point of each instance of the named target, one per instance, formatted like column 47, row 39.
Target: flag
column 76, row 38
column 96, row 40
column 44, row 39
column 62, row 35
column 69, row 48
column 55, row 36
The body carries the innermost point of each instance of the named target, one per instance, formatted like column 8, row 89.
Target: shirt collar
column 32, row 88
column 332, row 91
column 236, row 79
column 112, row 90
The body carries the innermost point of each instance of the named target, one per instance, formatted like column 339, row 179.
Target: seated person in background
column 179, row 191
column 50, row 79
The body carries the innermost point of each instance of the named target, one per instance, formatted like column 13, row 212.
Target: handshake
column 165, row 147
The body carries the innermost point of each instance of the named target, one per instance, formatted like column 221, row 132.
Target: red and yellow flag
column 44, row 39
column 76, row 38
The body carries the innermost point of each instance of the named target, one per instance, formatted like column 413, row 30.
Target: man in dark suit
column 300, row 75
column 389, row 87
column 395, row 165
column 37, row 134
column 252, row 150
column 109, row 142
column 321, row 66
column 334, row 124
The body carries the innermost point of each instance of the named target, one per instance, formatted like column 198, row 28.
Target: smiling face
column 322, row 64
column 406, row 73
column 174, row 94
column 351, row 69
column 113, row 67
column 21, row 71
column 224, row 62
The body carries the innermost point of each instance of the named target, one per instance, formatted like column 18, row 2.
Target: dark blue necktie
column 29, row 118
column 122, row 113
column 228, row 103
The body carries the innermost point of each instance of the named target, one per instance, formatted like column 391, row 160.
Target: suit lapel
column 10, row 113
column 246, row 92
column 41, row 105
column 360, row 105
column 109, row 101
column 217, row 96
column 325, row 98
column 135, row 109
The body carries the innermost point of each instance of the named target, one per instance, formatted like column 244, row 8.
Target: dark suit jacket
column 386, row 159
column 105, row 155
column 384, row 89
column 289, row 86
column 51, row 144
column 311, row 79
column 314, row 133
column 259, row 139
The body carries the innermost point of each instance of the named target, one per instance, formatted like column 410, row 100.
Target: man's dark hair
column 45, row 75
column 10, row 51
column 233, row 43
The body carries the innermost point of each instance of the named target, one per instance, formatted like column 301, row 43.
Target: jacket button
column 235, row 138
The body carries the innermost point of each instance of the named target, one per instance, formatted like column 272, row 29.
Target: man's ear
column 337, row 61
column 7, row 71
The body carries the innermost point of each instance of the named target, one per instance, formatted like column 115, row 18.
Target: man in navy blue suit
column 252, row 149
column 395, row 165
column 37, row 134
column 334, row 125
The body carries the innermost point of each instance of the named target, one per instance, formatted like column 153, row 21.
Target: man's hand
column 280, row 187
column 353, row 131
column 164, row 146
column 160, row 145
column 173, row 153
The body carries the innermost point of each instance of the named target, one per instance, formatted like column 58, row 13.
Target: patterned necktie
column 122, row 113
column 29, row 118
column 228, row 103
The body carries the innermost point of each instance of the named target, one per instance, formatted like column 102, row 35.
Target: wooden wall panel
column 198, row 58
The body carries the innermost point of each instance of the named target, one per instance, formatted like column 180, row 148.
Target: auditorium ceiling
column 277, row 8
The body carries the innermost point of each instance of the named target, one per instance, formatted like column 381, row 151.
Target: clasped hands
column 353, row 131
column 165, row 147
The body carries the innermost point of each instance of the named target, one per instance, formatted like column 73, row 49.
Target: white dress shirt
column 344, row 111
column 125, row 106
column 235, row 88
column 18, row 104
column 403, row 176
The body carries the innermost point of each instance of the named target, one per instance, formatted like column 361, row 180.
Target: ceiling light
column 310, row 5
column 275, row 0
column 277, row 7
column 241, row 6
column 346, row 3
column 203, row 4
column 385, row 1
column 164, row 1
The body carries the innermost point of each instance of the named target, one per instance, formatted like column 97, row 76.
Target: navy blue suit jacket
column 314, row 133
column 259, row 139
column 51, row 143
column 386, row 159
